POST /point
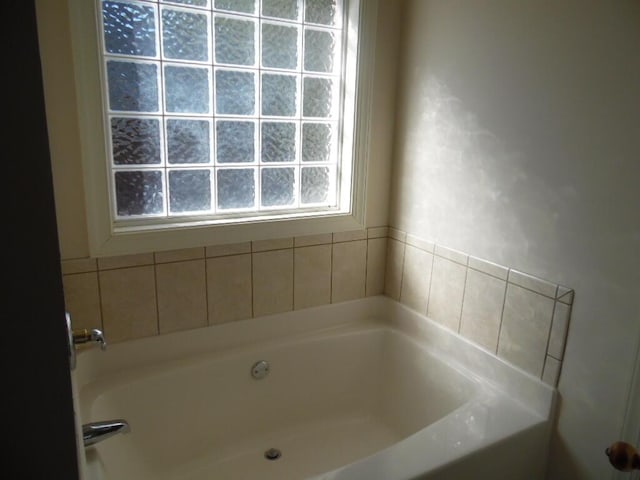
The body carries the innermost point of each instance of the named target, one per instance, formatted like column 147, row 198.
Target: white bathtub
column 360, row 390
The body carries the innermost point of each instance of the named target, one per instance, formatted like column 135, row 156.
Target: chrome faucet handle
column 76, row 336
column 98, row 336
column 84, row 335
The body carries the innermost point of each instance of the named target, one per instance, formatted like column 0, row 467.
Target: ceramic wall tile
column 393, row 270
column 349, row 236
column 179, row 255
column 182, row 295
column 376, row 261
column 229, row 290
column 349, row 269
column 559, row 327
column 79, row 265
column 489, row 268
column 272, row 282
column 377, row 232
column 447, row 290
column 274, row 244
column 551, row 373
column 128, row 303
column 309, row 240
column 482, row 309
column 416, row 278
column 124, row 261
column 312, row 276
column 526, row 323
column 533, row 283
column 228, row 249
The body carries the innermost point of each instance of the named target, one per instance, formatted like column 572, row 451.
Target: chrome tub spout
column 95, row 432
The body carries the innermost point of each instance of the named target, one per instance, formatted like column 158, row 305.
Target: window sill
column 127, row 241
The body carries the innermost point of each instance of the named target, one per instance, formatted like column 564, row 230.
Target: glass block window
column 222, row 106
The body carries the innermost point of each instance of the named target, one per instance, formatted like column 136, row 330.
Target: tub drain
column 272, row 454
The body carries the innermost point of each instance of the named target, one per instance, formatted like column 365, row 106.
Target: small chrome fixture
column 260, row 369
column 80, row 336
column 272, row 454
column 93, row 433
column 94, row 335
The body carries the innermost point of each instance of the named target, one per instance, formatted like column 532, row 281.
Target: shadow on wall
column 559, row 448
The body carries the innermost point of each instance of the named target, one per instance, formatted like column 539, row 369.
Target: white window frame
column 108, row 238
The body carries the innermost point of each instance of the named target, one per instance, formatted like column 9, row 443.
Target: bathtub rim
column 370, row 312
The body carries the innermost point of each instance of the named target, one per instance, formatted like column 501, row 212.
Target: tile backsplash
column 150, row 294
column 520, row 318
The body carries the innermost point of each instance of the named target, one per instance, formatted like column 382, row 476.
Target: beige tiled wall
column 521, row 318
column 150, row 294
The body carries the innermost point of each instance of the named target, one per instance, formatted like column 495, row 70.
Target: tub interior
column 327, row 401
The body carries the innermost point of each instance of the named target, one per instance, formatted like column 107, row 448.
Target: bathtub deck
column 307, row 449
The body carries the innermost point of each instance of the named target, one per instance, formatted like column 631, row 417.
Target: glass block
column 139, row 193
column 186, row 89
column 236, row 188
column 235, row 41
column 277, row 187
column 129, row 29
column 197, row 3
column 135, row 141
column 189, row 190
column 132, row 86
column 244, row 6
column 323, row 12
column 279, row 46
column 279, row 95
column 319, row 50
column 318, row 97
column 288, row 9
column 315, row 183
column 317, row 142
column 235, row 92
column 235, row 141
column 278, row 142
column 188, row 141
column 185, row 35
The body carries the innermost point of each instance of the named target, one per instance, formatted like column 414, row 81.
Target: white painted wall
column 518, row 141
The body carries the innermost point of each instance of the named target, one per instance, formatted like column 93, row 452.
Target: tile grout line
column 430, row 282
column 404, row 253
column 210, row 321
column 155, row 282
column 252, row 287
column 366, row 265
column 100, row 306
column 331, row 275
column 546, row 347
column 531, row 290
column 504, row 303
column 293, row 278
column 464, row 292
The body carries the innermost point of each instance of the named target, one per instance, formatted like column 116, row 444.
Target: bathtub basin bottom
column 306, row 449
